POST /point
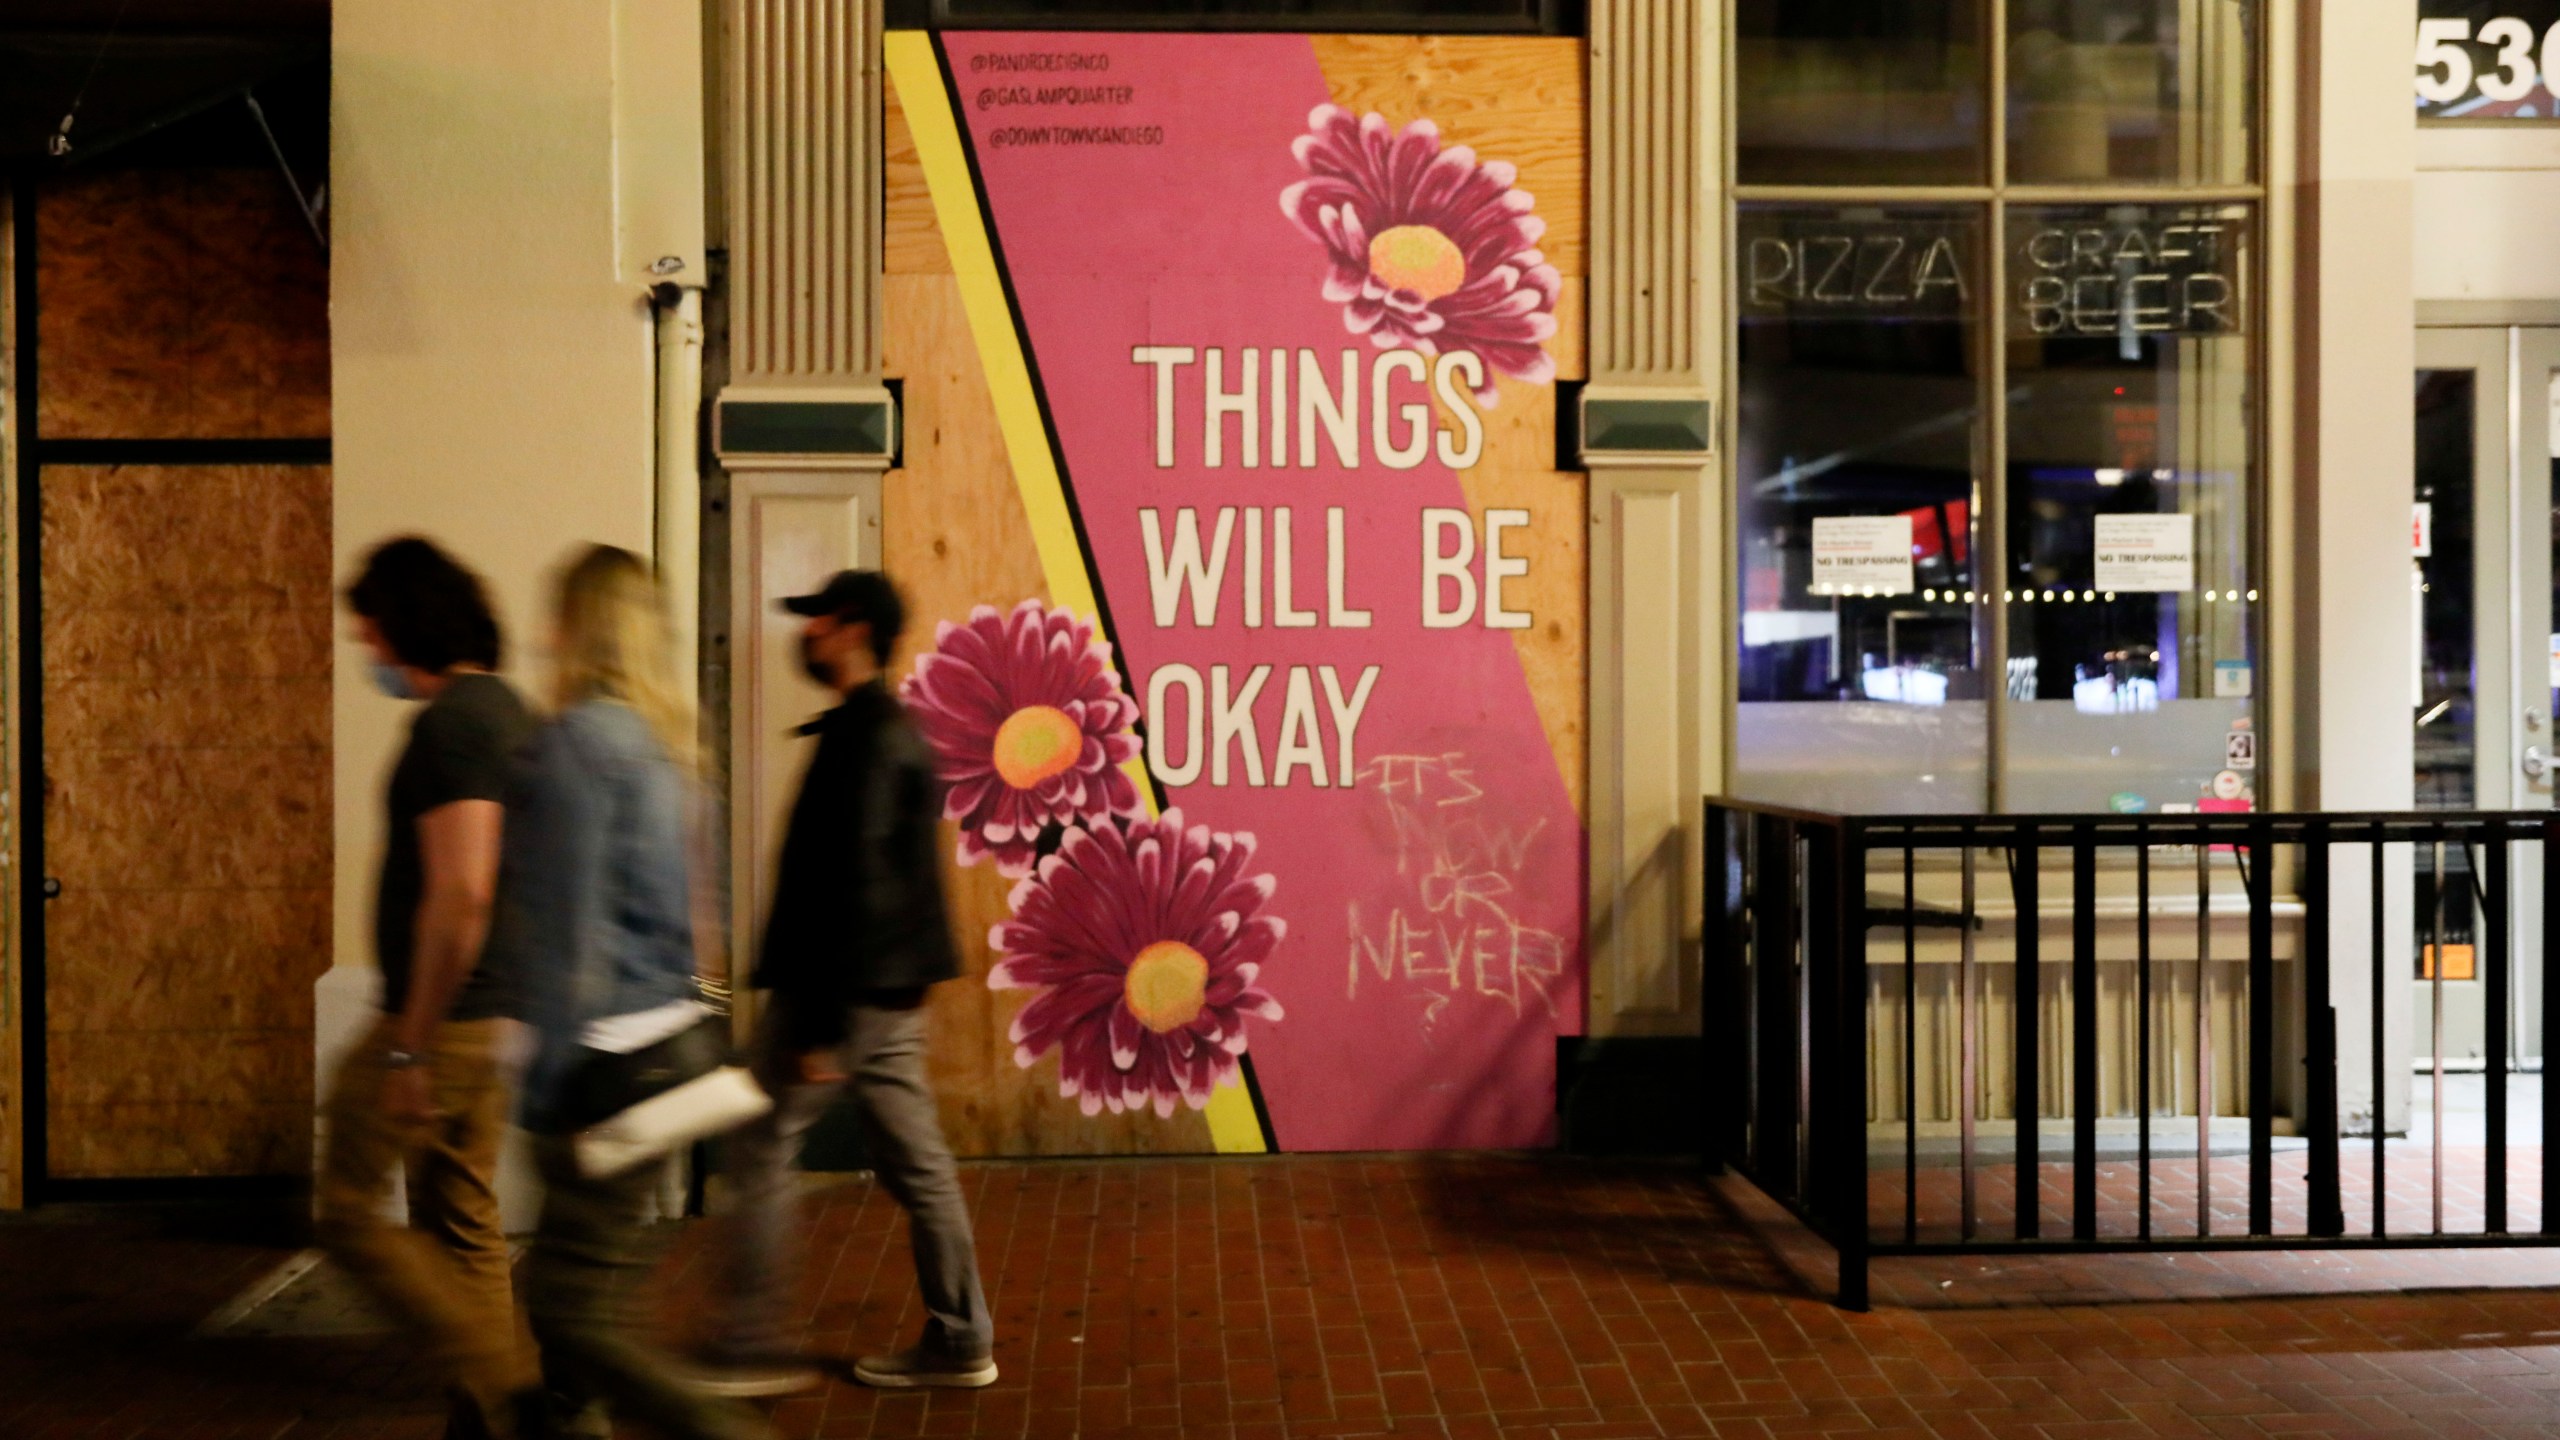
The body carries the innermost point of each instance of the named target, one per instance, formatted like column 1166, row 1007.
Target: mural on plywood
column 1230, row 369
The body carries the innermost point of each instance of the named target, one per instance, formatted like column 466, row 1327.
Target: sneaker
column 753, row 1379
column 921, row 1367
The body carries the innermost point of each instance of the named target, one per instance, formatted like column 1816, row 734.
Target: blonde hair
column 614, row 643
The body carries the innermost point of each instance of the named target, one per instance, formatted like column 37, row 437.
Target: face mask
column 393, row 681
column 817, row 669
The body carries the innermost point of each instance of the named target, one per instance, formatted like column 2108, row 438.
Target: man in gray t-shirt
column 424, row 1092
column 461, row 751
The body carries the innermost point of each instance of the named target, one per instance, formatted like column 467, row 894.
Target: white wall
column 2487, row 207
column 502, row 176
column 2356, row 350
column 492, row 366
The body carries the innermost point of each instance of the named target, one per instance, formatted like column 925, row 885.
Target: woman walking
column 597, row 912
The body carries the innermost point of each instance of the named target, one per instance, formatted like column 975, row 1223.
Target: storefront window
column 2131, row 90
column 2446, row 750
column 1831, row 92
column 1996, row 447
column 1859, row 390
column 2130, row 587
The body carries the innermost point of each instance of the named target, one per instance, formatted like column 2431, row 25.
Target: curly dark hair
column 431, row 611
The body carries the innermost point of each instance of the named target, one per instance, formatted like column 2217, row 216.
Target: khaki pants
column 445, row 1275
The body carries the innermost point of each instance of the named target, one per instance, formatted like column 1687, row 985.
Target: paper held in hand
column 2146, row 553
column 1862, row 555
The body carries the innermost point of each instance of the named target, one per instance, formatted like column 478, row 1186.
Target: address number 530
column 2446, row 72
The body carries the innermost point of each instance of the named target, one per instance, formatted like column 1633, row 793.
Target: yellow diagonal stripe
column 934, row 122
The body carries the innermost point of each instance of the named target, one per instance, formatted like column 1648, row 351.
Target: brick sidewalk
column 1427, row 1296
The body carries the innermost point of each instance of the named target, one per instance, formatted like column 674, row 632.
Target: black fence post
column 2550, row 837
column 1774, row 901
column 2320, row 1033
column 2084, row 1033
column 2261, row 879
column 2500, row 977
column 1722, row 1028
column 1837, row 1127
column 2024, row 861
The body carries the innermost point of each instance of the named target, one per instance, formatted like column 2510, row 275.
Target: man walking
column 858, row 931
column 423, row 1091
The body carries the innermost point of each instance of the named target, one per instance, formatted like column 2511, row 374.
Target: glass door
column 2482, row 539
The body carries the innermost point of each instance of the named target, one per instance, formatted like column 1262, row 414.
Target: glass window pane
column 2446, row 753
column 1861, row 687
column 2130, row 671
column 2132, row 90
column 1834, row 92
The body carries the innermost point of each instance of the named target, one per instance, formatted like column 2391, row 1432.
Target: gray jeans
column 883, row 1060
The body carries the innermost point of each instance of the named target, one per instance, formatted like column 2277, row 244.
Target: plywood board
column 954, row 532
column 179, row 304
column 187, row 784
column 954, row 536
column 13, row 1172
column 912, row 237
column 1518, row 99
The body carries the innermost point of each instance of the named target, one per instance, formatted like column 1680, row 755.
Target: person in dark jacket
column 857, row 933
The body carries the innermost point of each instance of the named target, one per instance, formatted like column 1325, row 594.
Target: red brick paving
column 1454, row 1297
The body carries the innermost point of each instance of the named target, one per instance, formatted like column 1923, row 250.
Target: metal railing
column 1804, row 911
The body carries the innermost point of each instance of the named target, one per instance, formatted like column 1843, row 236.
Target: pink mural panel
column 1202, row 249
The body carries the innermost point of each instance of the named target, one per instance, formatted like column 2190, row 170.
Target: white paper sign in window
column 2139, row 553
column 1862, row 555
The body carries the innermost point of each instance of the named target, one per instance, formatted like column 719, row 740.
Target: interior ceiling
column 144, row 65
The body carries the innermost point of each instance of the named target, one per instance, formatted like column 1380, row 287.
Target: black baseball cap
column 854, row 595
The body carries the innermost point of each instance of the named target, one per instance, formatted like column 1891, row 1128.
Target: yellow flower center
column 1417, row 258
column 1167, row 985
column 1036, row 743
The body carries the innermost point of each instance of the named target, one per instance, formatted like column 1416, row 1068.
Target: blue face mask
column 393, row 681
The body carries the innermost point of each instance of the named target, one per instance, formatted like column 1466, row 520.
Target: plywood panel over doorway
column 186, row 700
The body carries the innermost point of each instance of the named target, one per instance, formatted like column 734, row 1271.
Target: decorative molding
column 1652, row 73
column 1646, row 426
column 1649, row 430
column 832, row 434
column 2486, row 314
column 803, row 191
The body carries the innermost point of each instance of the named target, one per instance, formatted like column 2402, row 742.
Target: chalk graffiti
column 1445, row 924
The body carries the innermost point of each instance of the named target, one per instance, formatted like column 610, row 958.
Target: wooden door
column 183, row 623
column 187, row 815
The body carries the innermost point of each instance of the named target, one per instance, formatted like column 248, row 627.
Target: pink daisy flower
column 1029, row 727
column 1430, row 249
column 1144, row 947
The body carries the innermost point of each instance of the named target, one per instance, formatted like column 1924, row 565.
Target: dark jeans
column 591, row 1251
column 883, row 1060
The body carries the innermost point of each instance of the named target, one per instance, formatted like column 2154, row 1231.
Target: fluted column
column 1656, row 513
column 803, row 424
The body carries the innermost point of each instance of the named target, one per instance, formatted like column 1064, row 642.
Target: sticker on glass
column 2155, row 553
column 2240, row 750
column 1862, row 555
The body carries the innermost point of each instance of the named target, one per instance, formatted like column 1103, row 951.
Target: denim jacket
column 594, row 912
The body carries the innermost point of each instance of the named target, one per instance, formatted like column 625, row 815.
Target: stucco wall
column 2487, row 206
column 493, row 371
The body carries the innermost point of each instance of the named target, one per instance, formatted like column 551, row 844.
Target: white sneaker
column 753, row 1379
